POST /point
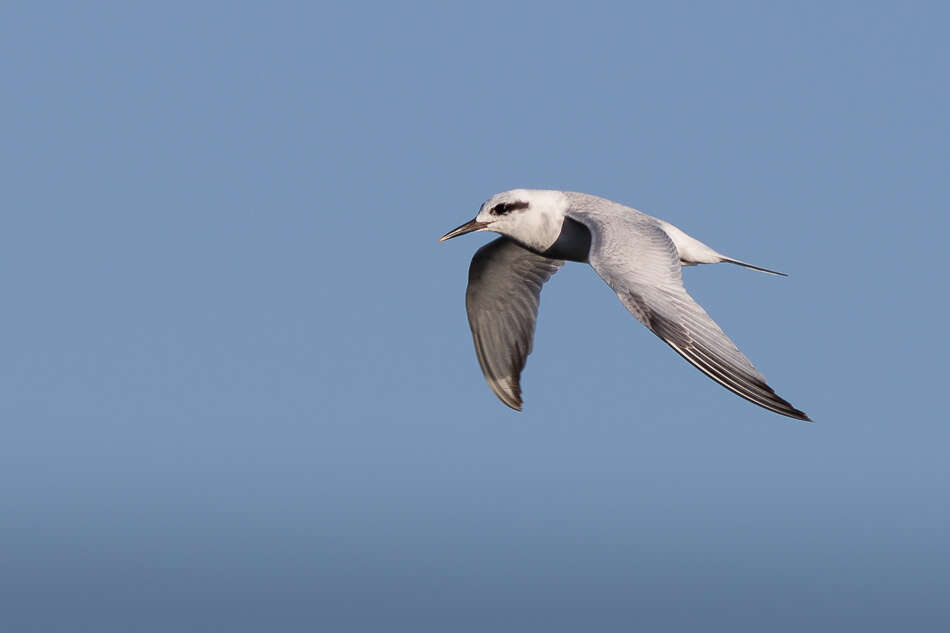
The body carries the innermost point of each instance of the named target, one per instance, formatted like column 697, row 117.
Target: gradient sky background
column 238, row 391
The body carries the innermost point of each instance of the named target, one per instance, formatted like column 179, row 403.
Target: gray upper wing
column 504, row 288
column 639, row 261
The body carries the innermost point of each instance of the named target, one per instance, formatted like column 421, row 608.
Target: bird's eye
column 503, row 208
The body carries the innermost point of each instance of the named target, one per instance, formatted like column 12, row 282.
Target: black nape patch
column 572, row 244
column 503, row 208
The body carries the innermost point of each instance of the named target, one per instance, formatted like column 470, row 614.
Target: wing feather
column 504, row 290
column 640, row 262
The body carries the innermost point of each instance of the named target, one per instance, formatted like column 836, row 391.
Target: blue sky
column 238, row 389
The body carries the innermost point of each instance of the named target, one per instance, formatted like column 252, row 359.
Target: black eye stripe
column 507, row 207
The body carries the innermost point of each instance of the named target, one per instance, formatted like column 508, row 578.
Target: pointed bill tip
column 468, row 227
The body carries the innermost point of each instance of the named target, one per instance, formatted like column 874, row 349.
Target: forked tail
column 753, row 267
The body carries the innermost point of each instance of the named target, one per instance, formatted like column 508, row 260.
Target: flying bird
column 639, row 256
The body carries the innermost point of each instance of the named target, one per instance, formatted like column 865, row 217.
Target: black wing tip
column 784, row 406
column 707, row 362
column 510, row 394
column 797, row 415
column 773, row 402
column 804, row 417
column 516, row 401
column 776, row 403
column 513, row 403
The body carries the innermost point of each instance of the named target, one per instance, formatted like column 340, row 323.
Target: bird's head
column 531, row 217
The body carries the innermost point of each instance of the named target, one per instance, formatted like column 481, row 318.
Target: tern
column 639, row 256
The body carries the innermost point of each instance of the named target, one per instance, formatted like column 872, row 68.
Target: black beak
column 468, row 227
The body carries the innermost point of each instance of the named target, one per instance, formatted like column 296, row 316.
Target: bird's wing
column 504, row 288
column 640, row 262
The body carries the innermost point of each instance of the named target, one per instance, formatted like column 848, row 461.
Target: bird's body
column 639, row 256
